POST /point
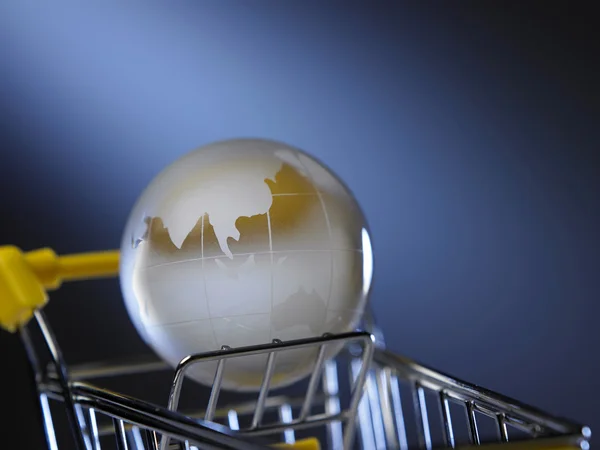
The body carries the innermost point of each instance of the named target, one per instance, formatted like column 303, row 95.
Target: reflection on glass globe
column 238, row 243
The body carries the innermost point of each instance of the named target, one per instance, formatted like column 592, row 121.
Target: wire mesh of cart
column 365, row 397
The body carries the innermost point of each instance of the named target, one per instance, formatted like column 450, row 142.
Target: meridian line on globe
column 272, row 269
column 204, row 277
column 299, row 162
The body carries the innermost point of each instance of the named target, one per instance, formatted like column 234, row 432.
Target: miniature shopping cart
column 364, row 398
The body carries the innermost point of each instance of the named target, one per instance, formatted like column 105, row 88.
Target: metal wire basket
column 365, row 398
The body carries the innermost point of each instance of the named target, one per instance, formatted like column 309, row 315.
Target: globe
column 241, row 242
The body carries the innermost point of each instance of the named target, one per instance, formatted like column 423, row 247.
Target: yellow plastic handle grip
column 25, row 278
column 304, row 444
column 52, row 270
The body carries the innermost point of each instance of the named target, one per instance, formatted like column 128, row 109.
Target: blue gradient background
column 468, row 134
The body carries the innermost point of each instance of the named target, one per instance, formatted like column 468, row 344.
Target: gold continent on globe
column 238, row 243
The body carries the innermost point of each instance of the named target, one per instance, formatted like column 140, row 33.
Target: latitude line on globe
column 274, row 252
column 184, row 322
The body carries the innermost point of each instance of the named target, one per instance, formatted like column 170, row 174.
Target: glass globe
column 238, row 243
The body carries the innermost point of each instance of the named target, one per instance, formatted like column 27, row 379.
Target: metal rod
column 137, row 439
column 332, row 403
column 473, row 431
column 173, row 402
column 152, row 440
column 264, row 391
column 108, row 369
column 364, row 426
column 500, row 420
column 48, row 424
column 394, row 388
column 63, row 377
column 387, row 409
column 313, row 384
column 216, row 388
column 357, row 390
column 421, row 415
column 253, row 350
column 447, row 420
column 374, row 409
column 42, row 397
column 83, row 426
column 120, row 434
column 94, row 429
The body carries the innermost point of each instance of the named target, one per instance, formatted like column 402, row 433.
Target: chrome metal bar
column 313, row 384
column 394, row 387
column 37, row 376
column 46, row 412
column 357, row 391
column 447, row 420
column 502, row 427
column 330, row 382
column 374, row 410
column 421, row 414
column 94, row 429
column 216, row 388
column 387, row 409
column 83, row 427
column 364, row 426
column 473, row 431
column 107, row 369
column 264, row 390
column 48, row 424
column 173, row 402
column 120, row 435
column 254, row 350
column 136, row 437
column 151, row 440
column 62, row 375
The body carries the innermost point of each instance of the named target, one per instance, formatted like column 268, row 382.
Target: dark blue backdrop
column 467, row 134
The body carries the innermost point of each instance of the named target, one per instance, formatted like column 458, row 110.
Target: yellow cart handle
column 25, row 278
column 52, row 270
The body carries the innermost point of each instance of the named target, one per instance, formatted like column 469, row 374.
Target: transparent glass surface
column 238, row 243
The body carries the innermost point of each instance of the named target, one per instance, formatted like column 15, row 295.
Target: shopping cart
column 365, row 398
